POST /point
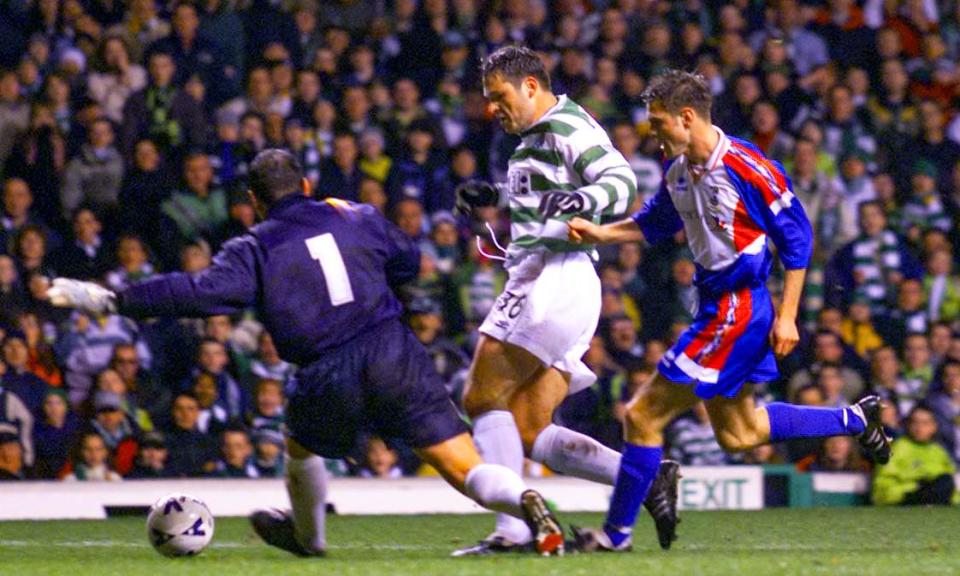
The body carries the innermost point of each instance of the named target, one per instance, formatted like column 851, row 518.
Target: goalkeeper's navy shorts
column 382, row 382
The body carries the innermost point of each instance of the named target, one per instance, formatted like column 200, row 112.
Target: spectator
column 94, row 176
column 836, row 454
column 380, row 461
column 647, row 170
column 237, row 458
column 426, row 321
column 197, row 55
column 374, row 163
column 17, row 201
column 11, row 454
column 269, row 446
column 133, row 263
column 91, row 461
column 828, row 349
column 421, row 174
column 142, row 386
column 268, row 406
column 873, row 262
column 53, row 434
column 888, row 382
column 340, row 175
column 268, row 364
column 88, row 257
column 918, row 370
column 212, row 359
column 18, row 379
column 857, row 329
column 197, row 211
column 15, row 418
column 85, row 349
column 116, row 79
column 941, row 287
column 624, row 346
column 145, row 187
column 42, row 361
column 39, row 159
column 924, row 210
column 13, row 296
column 945, row 405
column 116, row 429
column 833, row 222
column 152, row 458
column 110, row 381
column 167, row 115
column 920, row 472
column 213, row 416
column 692, row 441
column 14, row 113
column 192, row 453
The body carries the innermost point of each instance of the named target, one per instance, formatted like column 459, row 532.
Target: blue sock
column 638, row 468
column 789, row 421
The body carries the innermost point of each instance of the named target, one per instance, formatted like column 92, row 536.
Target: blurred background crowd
column 126, row 129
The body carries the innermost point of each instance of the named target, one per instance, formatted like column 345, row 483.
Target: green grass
column 832, row 541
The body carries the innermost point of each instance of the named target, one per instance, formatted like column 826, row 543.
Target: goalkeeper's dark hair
column 677, row 89
column 275, row 174
column 515, row 63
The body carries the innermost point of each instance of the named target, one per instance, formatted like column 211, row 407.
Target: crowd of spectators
column 126, row 129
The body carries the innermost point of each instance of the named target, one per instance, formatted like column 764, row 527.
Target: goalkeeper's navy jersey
column 318, row 273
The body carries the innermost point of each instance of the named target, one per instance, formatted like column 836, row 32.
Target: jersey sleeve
column 607, row 180
column 658, row 219
column 229, row 285
column 403, row 254
column 768, row 197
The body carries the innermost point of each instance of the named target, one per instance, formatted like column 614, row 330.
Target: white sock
column 497, row 488
column 498, row 440
column 575, row 454
column 307, row 487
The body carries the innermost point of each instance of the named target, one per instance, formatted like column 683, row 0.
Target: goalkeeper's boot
column 661, row 502
column 873, row 440
column 276, row 528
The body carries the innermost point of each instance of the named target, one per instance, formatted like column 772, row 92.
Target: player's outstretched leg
column 300, row 531
column 499, row 370
column 862, row 420
column 496, row 488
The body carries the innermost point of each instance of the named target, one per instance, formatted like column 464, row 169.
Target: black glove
column 553, row 204
column 474, row 194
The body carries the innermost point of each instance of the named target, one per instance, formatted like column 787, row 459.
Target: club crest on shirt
column 714, row 196
column 681, row 184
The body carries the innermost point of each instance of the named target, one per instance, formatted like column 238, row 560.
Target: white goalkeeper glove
column 85, row 296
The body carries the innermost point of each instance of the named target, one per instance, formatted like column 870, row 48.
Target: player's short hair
column 515, row 63
column 274, row 174
column 677, row 89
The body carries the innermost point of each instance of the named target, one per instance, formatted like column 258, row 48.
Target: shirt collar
column 719, row 151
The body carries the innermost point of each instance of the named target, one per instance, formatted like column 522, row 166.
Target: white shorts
column 550, row 307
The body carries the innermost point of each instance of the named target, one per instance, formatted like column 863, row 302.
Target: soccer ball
column 179, row 525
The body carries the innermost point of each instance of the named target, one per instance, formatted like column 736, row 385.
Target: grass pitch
column 833, row 541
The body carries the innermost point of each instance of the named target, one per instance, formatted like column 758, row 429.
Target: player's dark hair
column 275, row 174
column 677, row 89
column 515, row 63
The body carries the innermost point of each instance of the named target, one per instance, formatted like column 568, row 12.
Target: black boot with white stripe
column 873, row 440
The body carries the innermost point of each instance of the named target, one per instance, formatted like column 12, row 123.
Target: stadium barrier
column 702, row 488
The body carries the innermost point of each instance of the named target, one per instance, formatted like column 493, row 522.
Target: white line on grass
column 220, row 545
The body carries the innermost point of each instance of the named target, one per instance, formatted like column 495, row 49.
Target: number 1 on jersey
column 324, row 249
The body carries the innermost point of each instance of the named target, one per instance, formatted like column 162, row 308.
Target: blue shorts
column 382, row 382
column 727, row 345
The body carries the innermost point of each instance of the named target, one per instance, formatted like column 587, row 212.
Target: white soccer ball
column 179, row 525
